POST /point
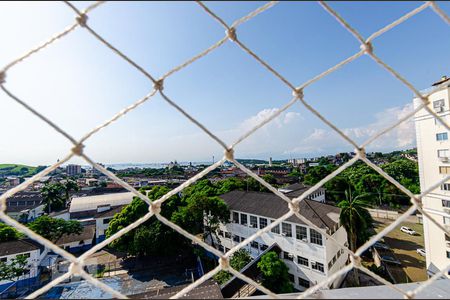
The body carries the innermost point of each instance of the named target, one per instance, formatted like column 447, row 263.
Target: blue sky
column 79, row 83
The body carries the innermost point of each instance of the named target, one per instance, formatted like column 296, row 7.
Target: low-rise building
column 297, row 189
column 310, row 256
column 102, row 220
column 25, row 206
column 82, row 208
column 78, row 242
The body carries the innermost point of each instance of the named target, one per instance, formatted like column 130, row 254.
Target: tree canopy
column 53, row 228
column 275, row 273
column 239, row 260
column 8, row 233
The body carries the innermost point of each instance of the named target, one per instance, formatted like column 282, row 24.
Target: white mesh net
column 298, row 95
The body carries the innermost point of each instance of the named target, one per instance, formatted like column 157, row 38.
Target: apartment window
column 316, row 237
column 106, row 221
column 286, row 229
column 291, row 278
column 236, row 238
column 227, row 235
column 302, row 261
column 262, row 223
column 445, row 187
column 303, row 282
column 254, row 245
column 317, row 266
column 441, row 136
column 288, row 256
column 446, row 220
column 301, row 233
column 443, row 153
column 445, row 203
column 235, row 217
column 448, row 254
column 244, row 219
column 276, row 229
column 444, row 170
column 253, row 222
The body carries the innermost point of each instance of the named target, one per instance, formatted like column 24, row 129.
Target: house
column 34, row 253
column 25, row 206
column 310, row 256
column 78, row 242
column 82, row 208
column 102, row 219
column 297, row 189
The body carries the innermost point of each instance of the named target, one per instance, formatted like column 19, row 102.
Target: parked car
column 390, row 259
column 407, row 230
column 421, row 251
column 380, row 245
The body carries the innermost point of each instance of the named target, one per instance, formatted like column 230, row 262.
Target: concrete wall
column 383, row 214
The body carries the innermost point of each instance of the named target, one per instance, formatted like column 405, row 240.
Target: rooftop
column 271, row 206
column 18, row 246
column 88, row 233
column 92, row 202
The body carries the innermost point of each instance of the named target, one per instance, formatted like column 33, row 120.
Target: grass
column 16, row 169
column 404, row 247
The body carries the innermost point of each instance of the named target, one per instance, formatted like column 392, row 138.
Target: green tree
column 68, row 187
column 238, row 261
column 8, row 233
column 275, row 273
column 230, row 184
column 14, row 269
column 356, row 220
column 52, row 196
column 53, row 228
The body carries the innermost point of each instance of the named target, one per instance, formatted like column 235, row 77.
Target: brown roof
column 271, row 206
column 207, row 290
column 87, row 234
column 18, row 246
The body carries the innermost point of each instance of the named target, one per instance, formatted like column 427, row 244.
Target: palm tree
column 69, row 186
column 51, row 192
column 356, row 220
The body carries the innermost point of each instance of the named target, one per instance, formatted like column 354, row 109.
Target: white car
column 421, row 251
column 407, row 230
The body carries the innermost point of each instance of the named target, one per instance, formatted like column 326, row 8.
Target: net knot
column 367, row 47
column 298, row 93
column 2, row 77
column 155, row 208
column 231, row 34
column 76, row 267
column 78, row 149
column 409, row 295
column 82, row 19
column 356, row 260
column 229, row 154
column 294, row 207
column 224, row 263
column 159, row 85
column 361, row 152
column 425, row 100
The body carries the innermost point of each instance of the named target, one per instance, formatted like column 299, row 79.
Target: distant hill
column 18, row 170
column 252, row 161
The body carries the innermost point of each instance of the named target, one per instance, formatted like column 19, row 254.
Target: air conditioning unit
column 283, row 234
column 290, row 255
column 443, row 159
column 304, row 240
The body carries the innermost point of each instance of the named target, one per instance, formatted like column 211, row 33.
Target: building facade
column 310, row 256
column 73, row 170
column 433, row 149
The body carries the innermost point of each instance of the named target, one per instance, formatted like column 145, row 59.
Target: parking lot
column 404, row 247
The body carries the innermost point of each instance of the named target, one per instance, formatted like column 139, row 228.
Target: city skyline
column 216, row 89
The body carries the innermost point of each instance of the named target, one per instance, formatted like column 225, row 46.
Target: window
column 445, row 187
column 316, row 237
column 235, row 217
column 445, row 203
column 303, row 282
column 438, row 103
column 236, row 238
column 220, row 233
column 276, row 229
column 302, row 261
column 106, row 221
column 264, row 247
column 221, row 248
column 253, row 222
column 291, row 278
column 441, row 136
column 448, row 254
column 317, row 266
column 262, row 223
column 301, row 233
column 288, row 256
column 227, row 235
column 443, row 153
column 254, row 245
column 444, row 170
column 446, row 220
column 286, row 229
column 244, row 219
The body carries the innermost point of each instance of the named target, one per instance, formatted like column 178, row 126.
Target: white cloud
column 401, row 137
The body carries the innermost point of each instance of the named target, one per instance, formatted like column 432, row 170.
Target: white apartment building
column 73, row 170
column 310, row 256
column 433, row 149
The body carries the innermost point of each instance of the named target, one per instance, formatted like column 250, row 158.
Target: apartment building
column 433, row 148
column 73, row 170
column 310, row 256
